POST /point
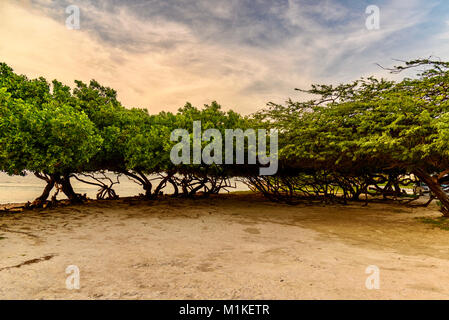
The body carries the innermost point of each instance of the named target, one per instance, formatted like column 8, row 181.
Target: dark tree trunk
column 197, row 188
column 67, row 188
column 148, row 193
column 46, row 193
column 434, row 186
column 397, row 188
column 39, row 201
column 356, row 195
column 142, row 180
column 162, row 185
column 185, row 192
column 386, row 190
column 175, row 187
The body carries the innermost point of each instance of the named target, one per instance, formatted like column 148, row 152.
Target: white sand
column 226, row 247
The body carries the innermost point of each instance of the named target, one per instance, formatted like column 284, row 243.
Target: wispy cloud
column 243, row 53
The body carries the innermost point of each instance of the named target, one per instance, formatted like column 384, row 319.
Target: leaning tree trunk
column 175, row 187
column 39, row 201
column 148, row 193
column 141, row 179
column 162, row 184
column 46, row 193
column 67, row 188
column 434, row 186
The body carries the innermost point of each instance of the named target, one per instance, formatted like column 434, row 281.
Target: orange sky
column 189, row 66
column 40, row 46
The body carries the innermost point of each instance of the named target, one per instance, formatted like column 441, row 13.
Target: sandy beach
column 224, row 247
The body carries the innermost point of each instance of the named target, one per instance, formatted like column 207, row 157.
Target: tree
column 52, row 140
column 371, row 126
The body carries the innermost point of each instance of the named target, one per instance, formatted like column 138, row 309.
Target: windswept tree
column 351, row 137
column 52, row 140
column 372, row 127
column 148, row 146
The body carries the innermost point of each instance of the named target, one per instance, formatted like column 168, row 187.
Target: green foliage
column 370, row 126
column 53, row 138
column 351, row 136
column 367, row 125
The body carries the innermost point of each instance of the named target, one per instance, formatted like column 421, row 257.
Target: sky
column 159, row 54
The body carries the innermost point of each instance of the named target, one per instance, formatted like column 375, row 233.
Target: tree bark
column 434, row 186
column 142, row 180
column 162, row 184
column 67, row 188
column 175, row 187
column 47, row 190
column 50, row 184
column 46, row 193
column 148, row 193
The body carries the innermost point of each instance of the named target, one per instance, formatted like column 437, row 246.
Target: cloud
column 243, row 53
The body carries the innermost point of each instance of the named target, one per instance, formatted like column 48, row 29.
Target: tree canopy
column 370, row 136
